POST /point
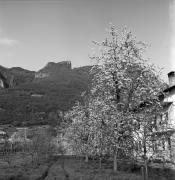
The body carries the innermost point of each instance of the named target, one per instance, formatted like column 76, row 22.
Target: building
column 164, row 132
column 3, row 136
column 20, row 136
column 9, row 129
column 162, row 138
column 26, row 134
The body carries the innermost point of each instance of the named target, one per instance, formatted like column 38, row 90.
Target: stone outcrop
column 3, row 82
column 53, row 68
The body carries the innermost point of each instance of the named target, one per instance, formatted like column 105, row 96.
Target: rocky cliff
column 52, row 69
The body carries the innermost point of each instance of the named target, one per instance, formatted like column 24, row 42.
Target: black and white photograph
column 87, row 89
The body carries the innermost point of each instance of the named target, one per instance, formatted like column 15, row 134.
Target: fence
column 12, row 148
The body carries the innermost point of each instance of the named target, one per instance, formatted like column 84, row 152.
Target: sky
column 34, row 32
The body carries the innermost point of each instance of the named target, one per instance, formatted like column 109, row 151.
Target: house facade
column 165, row 122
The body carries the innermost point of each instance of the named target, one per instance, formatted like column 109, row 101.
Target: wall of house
column 171, row 111
column 170, row 98
column 171, row 115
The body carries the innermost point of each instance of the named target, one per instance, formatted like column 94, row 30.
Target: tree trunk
column 142, row 173
column 115, row 162
column 86, row 158
column 100, row 165
column 164, row 162
column 145, row 156
column 146, row 170
column 46, row 156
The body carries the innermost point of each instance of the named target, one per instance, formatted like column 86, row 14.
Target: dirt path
column 59, row 172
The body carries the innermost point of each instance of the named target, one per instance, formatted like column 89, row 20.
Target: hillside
column 28, row 97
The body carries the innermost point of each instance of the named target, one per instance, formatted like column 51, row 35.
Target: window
column 163, row 144
column 169, row 142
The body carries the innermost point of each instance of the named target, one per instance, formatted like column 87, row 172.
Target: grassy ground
column 76, row 169
column 59, row 168
column 20, row 167
column 79, row 170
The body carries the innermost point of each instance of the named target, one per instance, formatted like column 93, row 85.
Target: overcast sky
column 37, row 31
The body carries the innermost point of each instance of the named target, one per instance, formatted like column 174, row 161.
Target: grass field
column 21, row 167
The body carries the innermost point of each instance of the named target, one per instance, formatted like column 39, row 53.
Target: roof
column 169, row 131
column 169, row 89
column 172, row 73
column 2, row 132
column 166, row 106
column 6, row 125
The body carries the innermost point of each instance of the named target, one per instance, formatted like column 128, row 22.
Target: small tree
column 78, row 132
column 8, row 156
column 42, row 146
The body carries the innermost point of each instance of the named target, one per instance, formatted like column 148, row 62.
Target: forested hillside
column 28, row 97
